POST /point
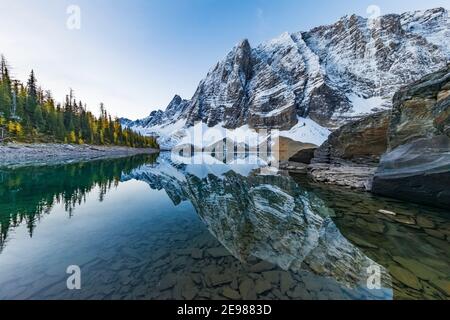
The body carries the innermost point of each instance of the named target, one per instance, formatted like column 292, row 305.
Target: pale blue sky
column 134, row 55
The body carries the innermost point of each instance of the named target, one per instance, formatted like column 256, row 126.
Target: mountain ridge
column 332, row 74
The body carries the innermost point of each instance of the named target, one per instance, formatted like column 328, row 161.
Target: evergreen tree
column 5, row 89
column 38, row 118
column 31, row 100
column 30, row 112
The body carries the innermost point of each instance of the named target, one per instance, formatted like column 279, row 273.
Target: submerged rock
column 405, row 277
column 262, row 266
column 218, row 252
column 167, row 282
column 216, row 280
column 286, row 282
column 419, row 269
column 443, row 285
column 231, row 294
column 247, row 289
column 262, row 286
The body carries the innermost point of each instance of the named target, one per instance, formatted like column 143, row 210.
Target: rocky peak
column 243, row 57
column 333, row 74
column 175, row 101
column 432, row 24
column 220, row 96
column 428, row 19
column 173, row 112
column 175, row 109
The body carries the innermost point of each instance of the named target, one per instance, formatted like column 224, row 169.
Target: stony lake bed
column 147, row 227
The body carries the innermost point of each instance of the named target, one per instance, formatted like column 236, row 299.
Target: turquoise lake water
column 149, row 227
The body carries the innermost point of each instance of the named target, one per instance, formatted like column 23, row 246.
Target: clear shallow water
column 150, row 228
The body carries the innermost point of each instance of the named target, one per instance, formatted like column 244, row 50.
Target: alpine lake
column 154, row 227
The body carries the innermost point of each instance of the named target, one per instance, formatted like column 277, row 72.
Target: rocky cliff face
column 421, row 110
column 221, row 96
column 332, row 74
column 417, row 165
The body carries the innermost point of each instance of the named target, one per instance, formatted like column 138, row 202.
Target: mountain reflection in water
column 275, row 237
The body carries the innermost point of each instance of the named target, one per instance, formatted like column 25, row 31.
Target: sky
column 135, row 55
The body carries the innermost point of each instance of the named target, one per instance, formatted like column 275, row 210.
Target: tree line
column 28, row 113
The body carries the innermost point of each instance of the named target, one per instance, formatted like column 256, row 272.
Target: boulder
column 418, row 171
column 363, row 141
column 350, row 155
column 287, row 149
column 303, row 156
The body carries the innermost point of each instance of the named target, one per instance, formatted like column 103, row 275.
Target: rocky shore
column 403, row 153
column 18, row 155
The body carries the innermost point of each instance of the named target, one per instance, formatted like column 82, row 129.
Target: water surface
column 149, row 227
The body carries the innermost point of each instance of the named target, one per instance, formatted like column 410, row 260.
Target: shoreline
column 14, row 155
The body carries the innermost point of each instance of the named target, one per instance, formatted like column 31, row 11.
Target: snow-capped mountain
column 331, row 75
column 173, row 111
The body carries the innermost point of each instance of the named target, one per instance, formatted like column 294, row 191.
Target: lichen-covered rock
column 417, row 166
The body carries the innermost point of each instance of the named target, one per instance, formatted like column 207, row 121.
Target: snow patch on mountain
column 169, row 135
column 307, row 131
column 365, row 106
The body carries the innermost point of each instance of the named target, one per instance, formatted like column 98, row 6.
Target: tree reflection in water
column 28, row 193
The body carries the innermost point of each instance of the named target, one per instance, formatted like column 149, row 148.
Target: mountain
column 331, row 75
column 173, row 111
